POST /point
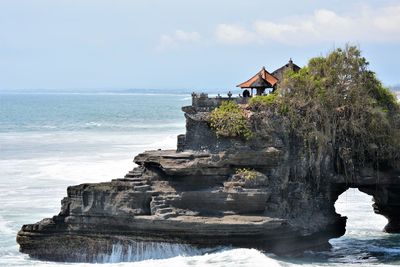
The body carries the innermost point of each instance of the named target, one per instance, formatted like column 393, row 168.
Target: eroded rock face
column 194, row 196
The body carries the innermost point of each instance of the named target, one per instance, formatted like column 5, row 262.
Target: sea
column 52, row 139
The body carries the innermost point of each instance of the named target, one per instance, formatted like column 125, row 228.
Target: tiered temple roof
column 263, row 79
column 289, row 66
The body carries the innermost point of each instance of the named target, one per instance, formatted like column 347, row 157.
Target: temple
column 260, row 81
column 289, row 66
column 263, row 79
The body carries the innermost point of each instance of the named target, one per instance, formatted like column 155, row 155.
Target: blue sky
column 156, row 44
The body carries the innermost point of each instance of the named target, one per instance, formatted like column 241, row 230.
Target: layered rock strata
column 193, row 195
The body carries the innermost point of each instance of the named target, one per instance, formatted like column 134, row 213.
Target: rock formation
column 195, row 195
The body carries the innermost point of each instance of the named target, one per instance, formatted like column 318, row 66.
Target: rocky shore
column 195, row 195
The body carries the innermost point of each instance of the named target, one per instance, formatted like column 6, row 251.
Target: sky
column 159, row 44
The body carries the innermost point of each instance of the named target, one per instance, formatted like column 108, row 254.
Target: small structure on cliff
column 281, row 71
column 263, row 79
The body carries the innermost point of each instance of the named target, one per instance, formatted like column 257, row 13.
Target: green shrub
column 264, row 100
column 247, row 174
column 383, row 96
column 230, row 120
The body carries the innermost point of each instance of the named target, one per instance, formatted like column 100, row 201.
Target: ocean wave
column 5, row 228
column 179, row 255
column 386, row 250
column 74, row 157
column 141, row 251
column 227, row 257
column 92, row 123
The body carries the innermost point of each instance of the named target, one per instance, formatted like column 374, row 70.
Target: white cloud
column 177, row 38
column 362, row 25
column 234, row 34
column 389, row 20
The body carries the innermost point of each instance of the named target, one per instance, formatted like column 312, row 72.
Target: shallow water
column 51, row 141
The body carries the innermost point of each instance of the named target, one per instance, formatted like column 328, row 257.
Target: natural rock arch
column 385, row 196
column 357, row 207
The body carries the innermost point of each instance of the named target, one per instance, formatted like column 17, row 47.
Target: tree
column 337, row 103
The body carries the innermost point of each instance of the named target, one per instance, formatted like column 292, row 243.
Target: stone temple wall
column 198, row 135
column 208, row 103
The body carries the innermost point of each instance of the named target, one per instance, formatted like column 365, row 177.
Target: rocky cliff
column 196, row 195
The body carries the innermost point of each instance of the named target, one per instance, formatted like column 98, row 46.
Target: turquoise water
column 49, row 141
column 90, row 112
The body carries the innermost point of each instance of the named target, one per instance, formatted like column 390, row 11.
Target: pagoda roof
column 289, row 66
column 262, row 79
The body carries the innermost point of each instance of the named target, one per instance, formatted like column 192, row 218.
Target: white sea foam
column 5, row 226
column 233, row 257
column 140, row 251
column 230, row 257
column 83, row 158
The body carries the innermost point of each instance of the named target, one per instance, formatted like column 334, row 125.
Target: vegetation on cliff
column 248, row 178
column 246, row 173
column 229, row 120
column 337, row 104
column 333, row 106
column 263, row 101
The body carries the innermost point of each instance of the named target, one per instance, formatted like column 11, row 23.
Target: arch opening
column 357, row 206
column 364, row 240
